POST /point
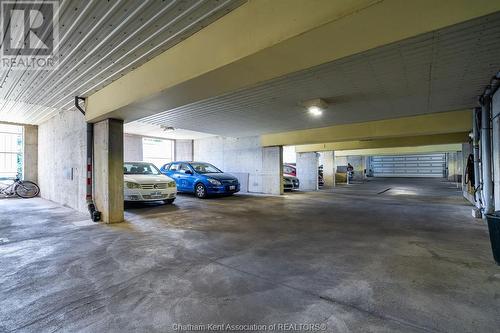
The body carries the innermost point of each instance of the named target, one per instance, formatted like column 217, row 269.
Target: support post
column 108, row 166
column 486, row 156
column 307, row 171
column 30, row 153
column 475, row 147
column 329, row 169
column 272, row 167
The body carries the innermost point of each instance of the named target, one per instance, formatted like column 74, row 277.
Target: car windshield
column 139, row 168
column 204, row 168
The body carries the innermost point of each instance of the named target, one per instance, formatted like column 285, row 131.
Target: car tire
column 169, row 201
column 200, row 191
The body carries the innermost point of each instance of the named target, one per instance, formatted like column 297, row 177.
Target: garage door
column 430, row 165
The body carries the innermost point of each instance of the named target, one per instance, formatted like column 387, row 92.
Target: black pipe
column 77, row 104
column 95, row 215
column 491, row 88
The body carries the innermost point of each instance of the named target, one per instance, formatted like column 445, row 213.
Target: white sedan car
column 144, row 182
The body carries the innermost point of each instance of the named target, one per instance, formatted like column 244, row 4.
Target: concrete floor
column 410, row 259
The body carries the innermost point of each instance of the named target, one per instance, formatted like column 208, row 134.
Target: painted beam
column 412, row 141
column 264, row 39
column 401, row 150
column 428, row 124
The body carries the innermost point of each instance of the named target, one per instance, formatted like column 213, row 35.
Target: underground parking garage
column 250, row 165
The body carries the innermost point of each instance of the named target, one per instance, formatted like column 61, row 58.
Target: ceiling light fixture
column 316, row 106
column 315, row 111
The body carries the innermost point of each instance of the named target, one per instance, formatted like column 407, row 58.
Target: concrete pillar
column 30, row 153
column 183, row 150
column 108, row 169
column 272, row 170
column 451, row 166
column 358, row 163
column 454, row 166
column 307, row 171
column 329, row 169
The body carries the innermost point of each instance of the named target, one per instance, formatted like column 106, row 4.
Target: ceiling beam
column 428, row 124
column 412, row 141
column 262, row 40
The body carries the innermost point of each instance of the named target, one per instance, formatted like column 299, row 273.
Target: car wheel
column 169, row 201
column 200, row 191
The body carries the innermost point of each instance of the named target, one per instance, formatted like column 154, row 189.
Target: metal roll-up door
column 428, row 165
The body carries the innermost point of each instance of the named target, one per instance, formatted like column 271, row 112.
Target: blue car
column 201, row 178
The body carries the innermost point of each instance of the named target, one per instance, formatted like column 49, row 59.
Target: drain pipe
column 476, row 114
column 95, row 215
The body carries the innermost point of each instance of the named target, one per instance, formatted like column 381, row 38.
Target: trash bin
column 494, row 228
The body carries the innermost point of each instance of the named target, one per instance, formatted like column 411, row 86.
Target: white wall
column 357, row 162
column 61, row 159
column 359, row 165
column 289, row 154
column 260, row 167
column 183, row 150
column 132, row 148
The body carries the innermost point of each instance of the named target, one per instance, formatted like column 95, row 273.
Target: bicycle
column 22, row 188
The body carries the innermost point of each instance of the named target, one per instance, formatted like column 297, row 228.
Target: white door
column 428, row 165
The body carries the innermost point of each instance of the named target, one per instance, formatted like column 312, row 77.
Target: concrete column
column 451, row 166
column 272, row 170
column 183, row 150
column 108, row 169
column 454, row 165
column 358, row 163
column 307, row 171
column 30, row 153
column 329, row 169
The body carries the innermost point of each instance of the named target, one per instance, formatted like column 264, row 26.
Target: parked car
column 290, row 183
column 201, row 178
column 291, row 170
column 144, row 182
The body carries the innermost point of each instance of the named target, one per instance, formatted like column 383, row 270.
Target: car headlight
column 214, row 182
column 132, row 185
column 171, row 184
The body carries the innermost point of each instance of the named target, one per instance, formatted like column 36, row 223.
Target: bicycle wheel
column 27, row 189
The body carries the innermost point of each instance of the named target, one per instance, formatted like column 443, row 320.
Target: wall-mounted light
column 315, row 107
column 167, row 128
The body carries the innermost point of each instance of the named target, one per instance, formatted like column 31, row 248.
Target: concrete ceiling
column 434, row 72
column 101, row 41
column 143, row 129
